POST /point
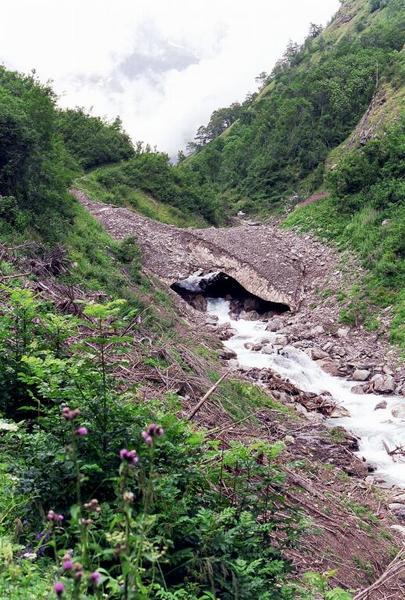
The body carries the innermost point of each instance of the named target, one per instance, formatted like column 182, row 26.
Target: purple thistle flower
column 59, row 588
column 129, row 455
column 55, row 517
column 82, row 431
column 147, row 438
column 70, row 414
column 67, row 565
column 95, row 577
column 152, row 431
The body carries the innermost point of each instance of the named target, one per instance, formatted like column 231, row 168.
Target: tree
column 261, row 79
column 315, row 30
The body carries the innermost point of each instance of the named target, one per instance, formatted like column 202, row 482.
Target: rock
column 358, row 389
column 257, row 347
column 250, row 304
column 227, row 354
column 400, row 498
column 360, row 375
column 199, row 302
column 369, row 480
column 342, row 332
column 282, row 340
column 395, row 506
column 399, row 411
column 211, row 320
column 338, row 412
column 254, row 347
column 268, row 349
column 383, row 383
column 330, row 367
column 317, row 330
column 381, row 405
column 250, row 315
column 289, row 439
column 225, row 333
column 318, row 354
column 399, row 528
column 275, row 324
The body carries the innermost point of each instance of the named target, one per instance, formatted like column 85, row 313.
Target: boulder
column 381, row 405
column 225, row 333
column 338, row 412
column 330, row 367
column 399, row 528
column 274, row 324
column 360, row 375
column 396, row 506
column 282, row 340
column 227, row 354
column 398, row 411
column 317, row 330
column 318, row 354
column 342, row 332
column 358, row 389
column 400, row 498
column 383, row 383
column 268, row 349
column 199, row 302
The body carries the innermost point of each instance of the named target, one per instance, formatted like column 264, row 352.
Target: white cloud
column 162, row 65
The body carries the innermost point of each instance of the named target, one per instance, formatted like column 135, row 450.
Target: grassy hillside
column 154, row 188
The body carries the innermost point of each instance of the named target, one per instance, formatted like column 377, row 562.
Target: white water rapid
column 373, row 427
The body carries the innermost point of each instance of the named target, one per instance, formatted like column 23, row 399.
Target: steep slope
column 313, row 101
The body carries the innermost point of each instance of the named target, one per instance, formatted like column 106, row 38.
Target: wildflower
column 70, row 414
column 67, row 565
column 59, row 588
column 151, row 432
column 82, row 431
column 86, row 522
column 128, row 497
column 92, row 506
column 55, row 517
column 78, row 571
column 129, row 455
column 95, row 577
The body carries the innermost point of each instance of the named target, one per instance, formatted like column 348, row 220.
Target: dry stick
column 396, row 567
column 15, row 276
column 207, row 395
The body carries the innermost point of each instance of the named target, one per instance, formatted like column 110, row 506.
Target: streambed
column 377, row 429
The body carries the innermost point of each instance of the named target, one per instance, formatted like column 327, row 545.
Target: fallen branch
column 207, row 395
column 15, row 276
column 395, row 568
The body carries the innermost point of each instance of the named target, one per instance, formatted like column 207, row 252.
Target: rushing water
column 373, row 427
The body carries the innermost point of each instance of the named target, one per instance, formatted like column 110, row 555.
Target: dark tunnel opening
column 196, row 289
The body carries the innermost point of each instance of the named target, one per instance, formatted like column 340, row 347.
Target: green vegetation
column 92, row 141
column 366, row 213
column 309, row 104
column 113, row 185
column 172, row 517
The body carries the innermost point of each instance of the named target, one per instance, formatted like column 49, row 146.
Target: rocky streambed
column 264, row 340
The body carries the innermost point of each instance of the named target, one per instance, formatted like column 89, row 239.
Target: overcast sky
column 162, row 65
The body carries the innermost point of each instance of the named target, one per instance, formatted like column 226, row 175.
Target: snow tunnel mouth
column 197, row 288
